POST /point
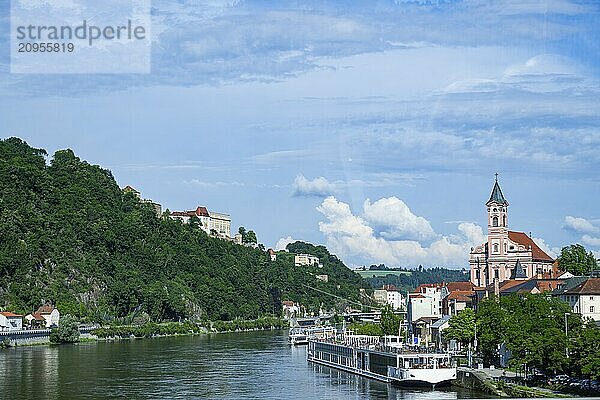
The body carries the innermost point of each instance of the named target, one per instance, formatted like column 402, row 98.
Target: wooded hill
column 71, row 237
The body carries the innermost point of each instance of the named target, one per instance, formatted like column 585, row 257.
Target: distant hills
column 71, row 237
column 410, row 278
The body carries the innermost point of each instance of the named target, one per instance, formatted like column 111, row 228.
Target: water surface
column 253, row 365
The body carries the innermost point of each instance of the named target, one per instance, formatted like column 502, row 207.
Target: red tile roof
column 537, row 253
column 461, row 295
column 421, row 288
column 201, row 212
column 47, row 309
column 417, row 296
column 461, row 286
column 129, row 189
column 9, row 314
column 37, row 316
column 288, row 303
column 271, row 252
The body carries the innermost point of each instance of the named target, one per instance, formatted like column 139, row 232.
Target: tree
column 250, row 237
column 461, row 327
column 67, row 331
column 585, row 354
column 577, row 260
column 390, row 322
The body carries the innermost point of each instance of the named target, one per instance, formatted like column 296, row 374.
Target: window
column 495, row 247
column 504, row 220
column 592, row 298
column 591, row 309
column 496, row 274
column 495, row 221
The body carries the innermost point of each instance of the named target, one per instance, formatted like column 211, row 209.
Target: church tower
column 497, row 208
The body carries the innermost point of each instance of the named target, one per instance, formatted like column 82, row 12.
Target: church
column 506, row 254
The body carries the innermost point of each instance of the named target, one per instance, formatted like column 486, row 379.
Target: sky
column 374, row 128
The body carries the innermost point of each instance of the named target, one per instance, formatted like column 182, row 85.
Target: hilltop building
column 213, row 223
column 506, row 254
column 157, row 207
column 305, row 259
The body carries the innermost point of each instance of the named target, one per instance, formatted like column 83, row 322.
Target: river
column 252, row 365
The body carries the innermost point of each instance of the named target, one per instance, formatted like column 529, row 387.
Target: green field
column 372, row 273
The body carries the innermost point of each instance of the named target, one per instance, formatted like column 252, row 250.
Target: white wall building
column 391, row 297
column 49, row 314
column 584, row 298
column 10, row 321
column 305, row 259
column 211, row 222
column 426, row 302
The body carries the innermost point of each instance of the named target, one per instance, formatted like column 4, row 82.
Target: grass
column 372, row 273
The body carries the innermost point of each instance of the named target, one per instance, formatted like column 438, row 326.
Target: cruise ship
column 367, row 356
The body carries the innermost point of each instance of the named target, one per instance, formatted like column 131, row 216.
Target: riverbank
column 483, row 381
column 148, row 330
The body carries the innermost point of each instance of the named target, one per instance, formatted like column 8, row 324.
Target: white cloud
column 473, row 232
column 353, row 238
column 283, row 242
column 319, row 186
column 394, row 220
column 551, row 251
column 590, row 240
column 579, row 225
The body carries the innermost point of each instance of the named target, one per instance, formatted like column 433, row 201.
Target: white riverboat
column 300, row 336
column 364, row 355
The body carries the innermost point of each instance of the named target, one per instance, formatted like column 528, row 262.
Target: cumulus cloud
column 590, row 240
column 319, row 187
column 358, row 237
column 283, row 242
column 394, row 220
column 579, row 225
column 551, row 251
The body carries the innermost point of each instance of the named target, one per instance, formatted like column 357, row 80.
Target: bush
column 67, row 331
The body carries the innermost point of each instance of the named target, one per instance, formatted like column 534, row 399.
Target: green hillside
column 70, row 236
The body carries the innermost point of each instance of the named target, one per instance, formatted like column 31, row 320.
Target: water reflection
column 238, row 366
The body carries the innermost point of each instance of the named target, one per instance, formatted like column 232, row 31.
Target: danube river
column 253, row 365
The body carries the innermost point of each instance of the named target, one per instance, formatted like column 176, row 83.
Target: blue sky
column 372, row 127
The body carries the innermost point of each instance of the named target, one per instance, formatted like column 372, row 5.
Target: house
column 517, row 285
column 583, row 295
column 497, row 258
column 389, row 294
column 456, row 296
column 131, row 189
column 272, row 254
column 305, row 259
column 290, row 309
column 437, row 329
column 324, row 278
column 35, row 321
column 213, row 223
column 157, row 207
column 10, row 321
column 50, row 315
